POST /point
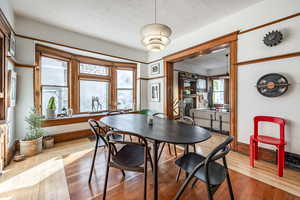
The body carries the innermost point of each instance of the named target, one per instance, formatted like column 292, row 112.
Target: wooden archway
column 230, row 41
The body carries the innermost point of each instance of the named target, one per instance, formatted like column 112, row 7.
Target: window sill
column 76, row 118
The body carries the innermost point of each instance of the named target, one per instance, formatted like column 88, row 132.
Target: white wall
column 250, row 102
column 156, row 106
column 31, row 28
column 6, row 7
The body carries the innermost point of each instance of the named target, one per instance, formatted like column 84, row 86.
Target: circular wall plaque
column 272, row 85
column 273, row 38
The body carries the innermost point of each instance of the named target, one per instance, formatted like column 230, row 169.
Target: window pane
column 201, row 84
column 61, row 98
column 218, row 85
column 125, row 98
column 218, row 97
column 93, row 96
column 54, row 72
column 93, row 69
column 125, row 78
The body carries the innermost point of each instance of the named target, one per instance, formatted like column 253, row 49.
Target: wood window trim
column 75, row 76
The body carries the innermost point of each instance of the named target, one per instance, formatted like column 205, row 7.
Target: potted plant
column 51, row 108
column 32, row 144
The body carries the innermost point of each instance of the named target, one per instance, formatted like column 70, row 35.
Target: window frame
column 133, row 87
column 74, row 77
column 223, row 91
column 57, row 86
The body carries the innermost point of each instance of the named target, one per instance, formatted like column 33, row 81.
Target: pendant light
column 155, row 37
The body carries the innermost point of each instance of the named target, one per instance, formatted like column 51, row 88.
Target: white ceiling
column 120, row 21
column 201, row 64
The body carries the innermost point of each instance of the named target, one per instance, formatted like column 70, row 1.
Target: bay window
column 84, row 84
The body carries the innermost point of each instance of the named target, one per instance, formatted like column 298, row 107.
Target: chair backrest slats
column 219, row 152
column 276, row 120
column 97, row 129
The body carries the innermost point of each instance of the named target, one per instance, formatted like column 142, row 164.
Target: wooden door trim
column 230, row 41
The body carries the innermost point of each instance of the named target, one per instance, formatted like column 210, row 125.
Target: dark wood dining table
column 162, row 130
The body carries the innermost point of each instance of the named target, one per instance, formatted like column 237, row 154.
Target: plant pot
column 31, row 147
column 48, row 142
column 50, row 114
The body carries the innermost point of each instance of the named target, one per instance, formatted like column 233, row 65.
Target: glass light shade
column 155, row 37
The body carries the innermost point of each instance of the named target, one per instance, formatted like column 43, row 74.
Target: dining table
column 160, row 130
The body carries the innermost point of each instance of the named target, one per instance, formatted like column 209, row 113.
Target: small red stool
column 278, row 142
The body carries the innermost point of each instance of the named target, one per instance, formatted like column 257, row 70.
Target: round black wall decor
column 272, row 85
column 273, row 38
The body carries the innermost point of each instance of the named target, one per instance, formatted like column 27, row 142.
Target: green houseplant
column 33, row 142
column 51, row 108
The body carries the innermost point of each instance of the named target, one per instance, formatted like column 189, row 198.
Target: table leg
column 186, row 152
column 155, row 171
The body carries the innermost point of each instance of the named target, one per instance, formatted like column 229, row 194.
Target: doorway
column 229, row 42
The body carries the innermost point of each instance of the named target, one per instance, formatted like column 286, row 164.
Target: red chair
column 278, row 142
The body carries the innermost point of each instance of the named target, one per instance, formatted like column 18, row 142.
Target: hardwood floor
column 62, row 173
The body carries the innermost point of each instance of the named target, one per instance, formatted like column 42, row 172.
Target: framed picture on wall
column 12, row 88
column 155, row 68
column 155, row 92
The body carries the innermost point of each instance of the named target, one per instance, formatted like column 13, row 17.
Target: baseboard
column 263, row 153
column 62, row 137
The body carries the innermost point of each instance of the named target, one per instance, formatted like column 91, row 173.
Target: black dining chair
column 162, row 144
column 207, row 169
column 189, row 121
column 99, row 133
column 132, row 156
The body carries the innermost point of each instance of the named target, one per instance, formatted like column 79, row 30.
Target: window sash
column 67, row 86
column 108, row 100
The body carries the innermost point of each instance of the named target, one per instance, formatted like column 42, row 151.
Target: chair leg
column 94, row 158
column 150, row 159
column 194, row 183
column 175, row 151
column 280, row 158
column 195, row 150
column 183, row 186
column 251, row 149
column 169, row 148
column 178, row 174
column 255, row 150
column 229, row 186
column 106, row 175
column 123, row 172
column 145, row 173
column 161, row 150
column 209, row 192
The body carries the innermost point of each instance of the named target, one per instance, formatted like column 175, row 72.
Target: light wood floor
column 62, row 173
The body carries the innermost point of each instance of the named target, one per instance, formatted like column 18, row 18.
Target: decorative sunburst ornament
column 273, row 38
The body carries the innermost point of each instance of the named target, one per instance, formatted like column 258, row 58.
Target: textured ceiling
column 120, row 21
column 201, row 64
